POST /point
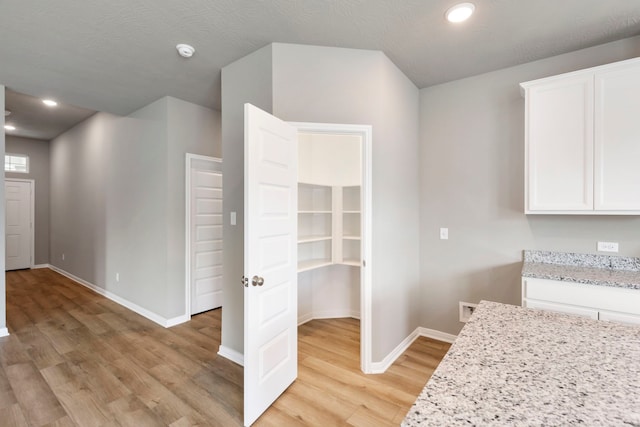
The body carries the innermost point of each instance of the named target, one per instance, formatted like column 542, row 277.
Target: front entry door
column 270, row 260
column 17, row 224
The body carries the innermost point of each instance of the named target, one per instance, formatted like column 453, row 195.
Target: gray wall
column 472, row 181
column 38, row 152
column 246, row 80
column 318, row 84
column 3, row 289
column 117, row 200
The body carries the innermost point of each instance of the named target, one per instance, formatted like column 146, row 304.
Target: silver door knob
column 245, row 281
column 257, row 281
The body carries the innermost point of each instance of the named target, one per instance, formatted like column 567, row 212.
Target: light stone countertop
column 513, row 366
column 603, row 270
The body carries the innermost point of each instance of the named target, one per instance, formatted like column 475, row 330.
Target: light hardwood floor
column 75, row 358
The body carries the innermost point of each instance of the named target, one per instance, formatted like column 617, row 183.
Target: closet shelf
column 354, row 262
column 314, row 212
column 351, row 237
column 313, row 264
column 310, row 239
column 350, row 212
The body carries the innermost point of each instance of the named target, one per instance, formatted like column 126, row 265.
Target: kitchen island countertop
column 517, row 366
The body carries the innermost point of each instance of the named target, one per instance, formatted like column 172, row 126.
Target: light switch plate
column 444, row 233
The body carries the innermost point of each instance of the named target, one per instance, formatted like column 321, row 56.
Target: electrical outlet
column 117, row 277
column 63, row 257
column 466, row 310
column 608, row 246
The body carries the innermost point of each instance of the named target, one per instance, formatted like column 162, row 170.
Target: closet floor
column 75, row 358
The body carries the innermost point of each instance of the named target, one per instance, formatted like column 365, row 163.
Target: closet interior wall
column 329, row 225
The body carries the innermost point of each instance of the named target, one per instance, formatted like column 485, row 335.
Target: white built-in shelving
column 328, row 226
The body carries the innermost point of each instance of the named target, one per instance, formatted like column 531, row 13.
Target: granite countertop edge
column 599, row 270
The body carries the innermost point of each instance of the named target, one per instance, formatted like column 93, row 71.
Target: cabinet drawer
column 567, row 309
column 591, row 296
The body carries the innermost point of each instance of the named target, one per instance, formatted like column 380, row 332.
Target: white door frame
column 32, row 208
column 366, row 133
column 187, row 221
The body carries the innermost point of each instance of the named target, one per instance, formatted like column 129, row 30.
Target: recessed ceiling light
column 460, row 12
column 49, row 102
column 185, row 50
column 9, row 127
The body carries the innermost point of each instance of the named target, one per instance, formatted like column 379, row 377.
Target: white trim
column 381, row 367
column 304, row 319
column 4, row 332
column 38, row 266
column 366, row 271
column 123, row 302
column 437, row 335
column 189, row 158
column 232, row 355
column 32, row 216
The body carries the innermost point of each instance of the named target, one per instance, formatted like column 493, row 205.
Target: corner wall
column 246, row 80
column 472, row 181
column 38, row 152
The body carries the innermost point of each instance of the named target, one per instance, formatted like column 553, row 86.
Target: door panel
column 270, row 308
column 18, row 237
column 206, row 237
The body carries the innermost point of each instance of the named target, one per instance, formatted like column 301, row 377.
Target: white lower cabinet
column 597, row 302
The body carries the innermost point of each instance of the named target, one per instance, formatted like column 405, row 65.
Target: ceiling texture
column 119, row 55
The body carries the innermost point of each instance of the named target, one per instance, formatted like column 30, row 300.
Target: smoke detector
column 185, row 50
column 7, row 113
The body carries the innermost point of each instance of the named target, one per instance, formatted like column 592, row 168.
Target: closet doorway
column 334, row 226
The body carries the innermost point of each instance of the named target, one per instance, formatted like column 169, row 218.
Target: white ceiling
column 120, row 55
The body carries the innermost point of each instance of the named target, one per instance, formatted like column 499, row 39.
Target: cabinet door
column 617, row 139
column 559, row 145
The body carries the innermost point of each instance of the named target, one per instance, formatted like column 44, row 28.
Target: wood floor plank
column 75, row 358
column 12, row 416
column 39, row 404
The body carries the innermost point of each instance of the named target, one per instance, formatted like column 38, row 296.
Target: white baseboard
column 437, row 335
column 162, row 321
column 232, row 355
column 328, row 314
column 381, row 367
column 37, row 266
column 304, row 319
column 4, row 332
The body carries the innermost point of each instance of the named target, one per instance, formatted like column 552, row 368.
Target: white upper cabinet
column 582, row 141
column 617, row 139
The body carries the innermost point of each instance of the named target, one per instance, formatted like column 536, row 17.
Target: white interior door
column 18, row 224
column 270, row 260
column 205, row 234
